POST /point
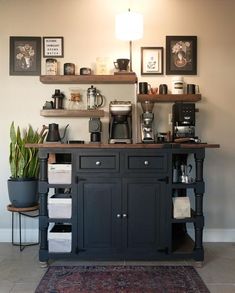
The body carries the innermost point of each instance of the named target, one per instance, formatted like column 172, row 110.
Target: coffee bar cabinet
column 122, row 202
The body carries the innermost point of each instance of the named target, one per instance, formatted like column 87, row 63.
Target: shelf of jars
column 169, row 98
column 130, row 78
column 72, row 113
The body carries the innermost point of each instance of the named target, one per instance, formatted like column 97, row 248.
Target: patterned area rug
column 121, row 279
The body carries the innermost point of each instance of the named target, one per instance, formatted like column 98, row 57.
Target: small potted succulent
column 24, row 166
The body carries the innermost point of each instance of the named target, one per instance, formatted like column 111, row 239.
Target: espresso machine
column 120, row 122
column 183, row 120
column 146, row 122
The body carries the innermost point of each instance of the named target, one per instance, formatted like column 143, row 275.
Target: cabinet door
column 99, row 223
column 144, row 207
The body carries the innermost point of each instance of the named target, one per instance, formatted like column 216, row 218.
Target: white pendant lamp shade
column 129, row 26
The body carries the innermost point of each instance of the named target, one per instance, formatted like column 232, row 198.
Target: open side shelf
column 169, row 98
column 72, row 113
column 89, row 79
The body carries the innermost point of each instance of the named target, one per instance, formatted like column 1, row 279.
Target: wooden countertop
column 123, row 146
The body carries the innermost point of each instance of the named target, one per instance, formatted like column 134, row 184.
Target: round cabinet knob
column 146, row 163
column 118, row 216
column 124, row 216
column 98, row 163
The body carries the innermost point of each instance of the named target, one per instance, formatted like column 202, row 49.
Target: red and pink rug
column 121, row 279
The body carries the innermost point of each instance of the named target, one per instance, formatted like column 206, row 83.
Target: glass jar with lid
column 51, row 66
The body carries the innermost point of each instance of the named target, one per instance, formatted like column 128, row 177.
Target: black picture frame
column 152, row 60
column 53, row 47
column 181, row 55
column 25, row 55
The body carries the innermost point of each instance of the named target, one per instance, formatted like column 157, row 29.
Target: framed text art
column 53, row 47
column 181, row 55
column 151, row 60
column 25, row 55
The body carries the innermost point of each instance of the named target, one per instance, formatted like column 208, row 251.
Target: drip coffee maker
column 146, row 123
column 120, row 124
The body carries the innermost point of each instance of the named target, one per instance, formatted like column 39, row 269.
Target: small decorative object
column 177, row 85
column 25, row 55
column 181, row 55
column 85, row 71
column 102, row 66
column 51, row 66
column 69, row 69
column 151, row 60
column 53, row 47
column 48, row 105
column 58, row 99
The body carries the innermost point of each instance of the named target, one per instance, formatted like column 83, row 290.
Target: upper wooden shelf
column 72, row 113
column 169, row 98
column 89, row 79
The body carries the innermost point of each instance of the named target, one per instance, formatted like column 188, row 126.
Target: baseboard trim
column 219, row 235
column 28, row 235
column 209, row 235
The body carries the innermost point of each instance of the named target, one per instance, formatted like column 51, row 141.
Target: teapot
column 53, row 134
column 93, row 95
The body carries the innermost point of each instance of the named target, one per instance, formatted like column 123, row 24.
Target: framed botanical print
column 181, row 55
column 25, row 55
column 151, row 60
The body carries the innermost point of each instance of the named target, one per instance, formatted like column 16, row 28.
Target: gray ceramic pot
column 23, row 193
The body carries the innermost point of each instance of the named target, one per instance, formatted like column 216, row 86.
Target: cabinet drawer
column 156, row 163
column 96, row 163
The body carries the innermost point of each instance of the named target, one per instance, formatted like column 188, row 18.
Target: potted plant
column 24, row 166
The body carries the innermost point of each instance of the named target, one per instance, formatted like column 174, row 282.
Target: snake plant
column 23, row 161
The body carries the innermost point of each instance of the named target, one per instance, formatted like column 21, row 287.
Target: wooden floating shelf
column 170, row 98
column 72, row 113
column 89, row 79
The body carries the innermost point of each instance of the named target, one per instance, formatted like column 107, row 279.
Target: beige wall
column 88, row 30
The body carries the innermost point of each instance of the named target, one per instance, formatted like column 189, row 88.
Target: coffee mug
column 192, row 89
column 121, row 64
column 144, row 88
column 162, row 89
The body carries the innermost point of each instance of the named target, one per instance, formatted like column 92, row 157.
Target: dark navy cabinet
column 122, row 202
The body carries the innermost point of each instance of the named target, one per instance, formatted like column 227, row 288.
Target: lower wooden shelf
column 72, row 113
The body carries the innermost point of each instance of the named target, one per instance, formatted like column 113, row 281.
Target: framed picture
column 181, row 55
column 25, row 55
column 53, row 47
column 151, row 60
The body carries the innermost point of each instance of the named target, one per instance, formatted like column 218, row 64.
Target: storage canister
column 177, row 85
column 51, row 66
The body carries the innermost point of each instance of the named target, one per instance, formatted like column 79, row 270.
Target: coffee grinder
column 120, row 122
column 95, row 129
column 146, row 122
column 183, row 120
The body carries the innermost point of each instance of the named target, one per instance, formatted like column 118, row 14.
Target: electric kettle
column 53, row 134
